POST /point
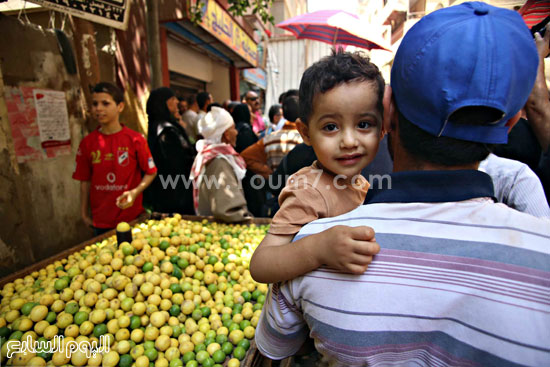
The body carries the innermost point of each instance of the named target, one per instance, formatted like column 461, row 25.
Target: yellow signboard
column 220, row 24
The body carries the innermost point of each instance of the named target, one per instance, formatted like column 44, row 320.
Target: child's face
column 344, row 128
column 104, row 108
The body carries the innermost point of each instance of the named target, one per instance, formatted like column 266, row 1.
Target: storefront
column 207, row 56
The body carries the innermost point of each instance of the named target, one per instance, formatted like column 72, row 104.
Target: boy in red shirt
column 109, row 165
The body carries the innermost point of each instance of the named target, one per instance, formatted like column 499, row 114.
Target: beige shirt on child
column 311, row 194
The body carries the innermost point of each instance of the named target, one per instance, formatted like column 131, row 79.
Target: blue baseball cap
column 472, row 54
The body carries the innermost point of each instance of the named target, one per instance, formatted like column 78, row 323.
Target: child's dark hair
column 111, row 90
column 330, row 71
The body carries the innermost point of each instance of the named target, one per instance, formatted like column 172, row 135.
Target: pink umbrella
column 333, row 27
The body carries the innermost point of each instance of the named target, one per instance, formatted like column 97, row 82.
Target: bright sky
column 347, row 5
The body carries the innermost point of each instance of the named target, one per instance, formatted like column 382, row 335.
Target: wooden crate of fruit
column 178, row 294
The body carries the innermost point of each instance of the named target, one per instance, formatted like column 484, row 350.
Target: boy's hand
column 126, row 200
column 87, row 220
column 349, row 249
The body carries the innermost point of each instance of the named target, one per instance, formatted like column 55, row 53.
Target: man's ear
column 303, row 129
column 513, row 121
column 389, row 110
column 120, row 107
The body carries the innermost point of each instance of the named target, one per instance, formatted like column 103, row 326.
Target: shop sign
column 222, row 26
column 112, row 13
column 256, row 76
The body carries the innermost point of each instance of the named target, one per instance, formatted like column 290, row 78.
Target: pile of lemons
column 180, row 294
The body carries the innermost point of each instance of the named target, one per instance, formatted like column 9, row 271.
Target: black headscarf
column 158, row 112
column 241, row 113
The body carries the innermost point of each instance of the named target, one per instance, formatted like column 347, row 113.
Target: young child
column 341, row 118
column 109, row 165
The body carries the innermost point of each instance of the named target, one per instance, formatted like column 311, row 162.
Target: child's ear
column 120, row 107
column 303, row 129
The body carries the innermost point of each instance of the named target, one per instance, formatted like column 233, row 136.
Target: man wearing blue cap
column 460, row 279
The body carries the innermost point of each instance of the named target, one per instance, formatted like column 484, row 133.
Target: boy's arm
column 84, row 202
column 349, row 249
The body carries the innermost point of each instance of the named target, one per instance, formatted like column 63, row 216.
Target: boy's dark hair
column 291, row 108
column 273, row 111
column 330, row 71
column 191, row 99
column 444, row 150
column 202, row 97
column 111, row 90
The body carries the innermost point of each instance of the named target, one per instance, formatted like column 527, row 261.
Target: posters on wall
column 39, row 123
column 112, row 13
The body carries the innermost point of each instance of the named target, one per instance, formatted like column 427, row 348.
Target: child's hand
column 126, row 200
column 349, row 249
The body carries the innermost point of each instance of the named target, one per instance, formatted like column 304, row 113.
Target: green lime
column 175, row 288
column 175, row 310
column 51, row 317
column 218, row 365
column 257, row 306
column 44, row 355
column 103, row 287
column 199, row 275
column 176, row 362
column 80, row 317
column 189, row 356
column 197, row 314
column 4, row 331
column 27, row 307
column 233, row 326
column 202, row 356
column 224, row 274
column 246, row 295
column 182, row 248
column 227, row 347
column 148, row 266
column 66, row 277
column 151, row 353
column 256, row 294
column 192, row 363
column 99, row 330
column 174, row 259
column 212, row 288
column 149, row 344
column 209, row 341
column 193, row 248
column 261, row 299
column 135, row 322
column 176, row 331
column 200, row 347
column 226, row 317
column 212, row 260
column 220, row 339
column 60, row 284
column 239, row 353
column 164, row 245
column 127, row 249
column 227, row 323
column 183, row 263
column 126, row 360
column 177, row 272
column 244, row 324
column 210, row 334
column 72, row 308
column 208, row 362
column 186, row 287
column 205, row 311
column 244, row 343
column 218, row 356
column 16, row 335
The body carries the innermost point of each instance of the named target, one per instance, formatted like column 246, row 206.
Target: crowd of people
column 446, row 264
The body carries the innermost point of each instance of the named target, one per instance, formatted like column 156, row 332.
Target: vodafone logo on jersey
column 123, row 158
column 111, row 177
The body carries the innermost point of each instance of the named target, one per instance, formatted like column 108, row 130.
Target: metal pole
column 153, row 40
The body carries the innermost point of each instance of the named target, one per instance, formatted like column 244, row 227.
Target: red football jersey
column 114, row 164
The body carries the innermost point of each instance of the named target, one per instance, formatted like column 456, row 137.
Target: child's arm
column 84, row 202
column 349, row 249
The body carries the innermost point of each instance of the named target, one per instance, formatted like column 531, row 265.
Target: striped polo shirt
column 280, row 142
column 460, row 281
